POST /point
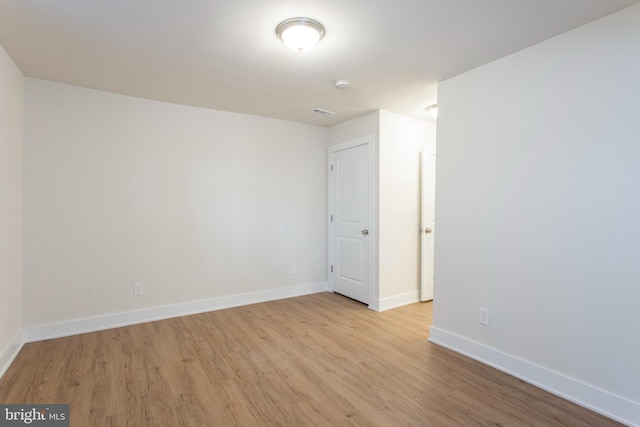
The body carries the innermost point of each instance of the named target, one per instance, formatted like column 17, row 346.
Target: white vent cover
column 322, row 112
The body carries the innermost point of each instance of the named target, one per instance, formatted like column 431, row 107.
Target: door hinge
column 331, row 218
column 332, row 268
column 331, row 168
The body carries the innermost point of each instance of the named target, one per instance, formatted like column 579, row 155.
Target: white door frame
column 373, row 214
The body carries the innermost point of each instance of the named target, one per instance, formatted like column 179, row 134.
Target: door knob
column 427, row 230
column 365, row 232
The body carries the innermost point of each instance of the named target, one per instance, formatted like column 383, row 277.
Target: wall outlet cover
column 484, row 316
column 138, row 288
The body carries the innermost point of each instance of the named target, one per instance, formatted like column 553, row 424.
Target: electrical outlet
column 484, row 316
column 138, row 288
column 294, row 269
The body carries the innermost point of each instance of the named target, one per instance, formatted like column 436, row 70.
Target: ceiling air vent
column 322, row 112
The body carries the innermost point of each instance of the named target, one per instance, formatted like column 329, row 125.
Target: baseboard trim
column 116, row 320
column 594, row 398
column 395, row 301
column 10, row 352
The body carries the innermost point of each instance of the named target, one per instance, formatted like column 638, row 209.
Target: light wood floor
column 318, row 360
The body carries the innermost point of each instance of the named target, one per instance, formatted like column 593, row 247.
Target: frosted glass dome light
column 300, row 34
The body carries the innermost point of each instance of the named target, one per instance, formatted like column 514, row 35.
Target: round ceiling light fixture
column 300, row 34
column 433, row 110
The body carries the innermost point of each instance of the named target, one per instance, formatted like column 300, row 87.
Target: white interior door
column 428, row 222
column 349, row 223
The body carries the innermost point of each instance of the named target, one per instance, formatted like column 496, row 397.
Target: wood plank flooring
column 317, row 360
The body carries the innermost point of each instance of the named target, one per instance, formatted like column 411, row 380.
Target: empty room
column 415, row 213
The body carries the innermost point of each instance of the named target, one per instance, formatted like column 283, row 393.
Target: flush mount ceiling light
column 342, row 84
column 300, row 34
column 433, row 110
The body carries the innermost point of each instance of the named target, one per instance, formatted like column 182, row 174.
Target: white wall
column 196, row 204
column 538, row 214
column 398, row 141
column 401, row 142
column 365, row 125
column 11, row 121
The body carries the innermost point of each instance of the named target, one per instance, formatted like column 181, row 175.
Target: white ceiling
column 224, row 54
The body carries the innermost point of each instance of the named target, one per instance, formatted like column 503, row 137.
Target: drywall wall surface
column 537, row 208
column 402, row 139
column 195, row 204
column 398, row 141
column 365, row 125
column 11, row 125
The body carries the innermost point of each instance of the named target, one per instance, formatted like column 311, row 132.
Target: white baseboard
column 395, row 301
column 116, row 320
column 9, row 353
column 594, row 398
